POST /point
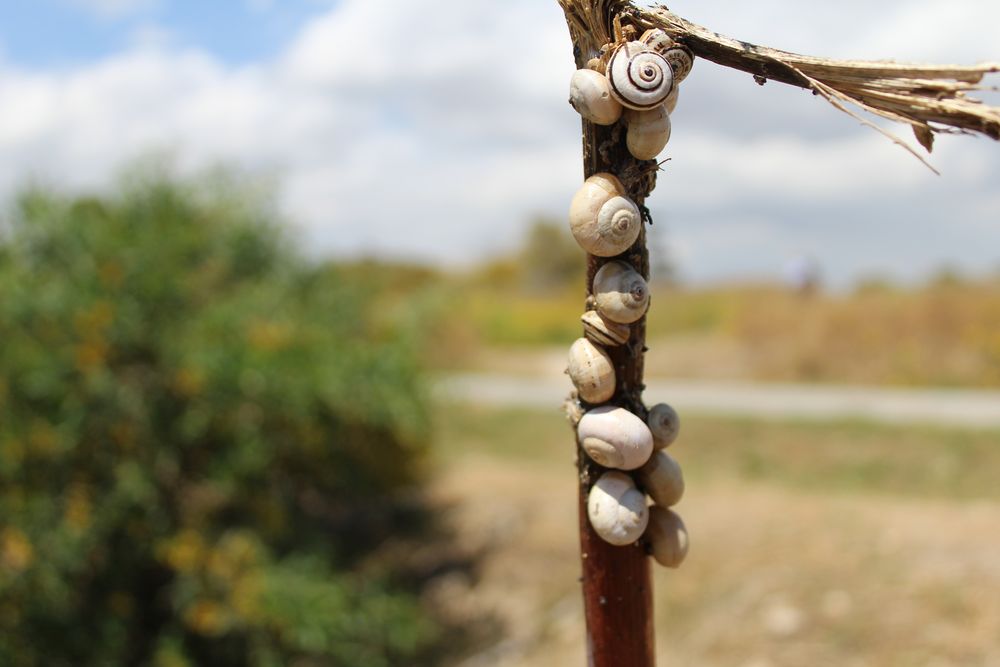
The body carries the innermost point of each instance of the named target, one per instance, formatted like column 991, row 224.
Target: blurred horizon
column 380, row 143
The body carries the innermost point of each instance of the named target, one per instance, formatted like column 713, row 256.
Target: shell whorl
column 681, row 61
column 620, row 293
column 603, row 220
column 640, row 77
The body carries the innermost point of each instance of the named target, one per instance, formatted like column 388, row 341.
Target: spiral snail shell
column 617, row 509
column 662, row 479
column 603, row 221
column 681, row 61
column 640, row 77
column 665, row 424
column 591, row 371
column 590, row 95
column 615, row 438
column 620, row 293
column 648, row 131
column 666, row 536
column 657, row 40
column 602, row 331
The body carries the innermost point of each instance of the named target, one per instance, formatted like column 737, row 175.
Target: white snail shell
column 604, row 221
column 648, row 132
column 640, row 77
column 620, row 293
column 617, row 509
column 591, row 371
column 590, row 95
column 602, row 331
column 664, row 423
column 657, row 40
column 671, row 102
column 667, row 537
column 681, row 61
column 615, row 438
column 662, row 479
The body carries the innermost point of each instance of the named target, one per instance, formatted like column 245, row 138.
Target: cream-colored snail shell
column 615, row 438
column 620, row 292
column 681, row 61
column 640, row 77
column 657, row 40
column 670, row 104
column 662, row 479
column 648, row 132
column 602, row 331
column 664, row 423
column 603, row 221
column 590, row 95
column 591, row 371
column 617, row 509
column 666, row 536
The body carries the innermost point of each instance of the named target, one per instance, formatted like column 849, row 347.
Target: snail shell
column 664, row 423
column 602, row 331
column 648, row 132
column 671, row 102
column 681, row 61
column 603, row 221
column 667, row 537
column 663, row 480
column 640, row 77
column 591, row 371
column 657, row 40
column 620, row 292
column 590, row 95
column 615, row 438
column 617, row 509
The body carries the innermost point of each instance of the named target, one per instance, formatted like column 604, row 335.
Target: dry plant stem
column 617, row 585
column 930, row 98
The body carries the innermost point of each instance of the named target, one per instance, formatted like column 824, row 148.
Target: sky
column 435, row 131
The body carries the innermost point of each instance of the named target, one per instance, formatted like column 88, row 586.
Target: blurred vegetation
column 208, row 448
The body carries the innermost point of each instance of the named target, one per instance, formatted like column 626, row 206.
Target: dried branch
column 930, row 98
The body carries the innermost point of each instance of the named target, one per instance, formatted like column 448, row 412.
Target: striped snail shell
column 602, row 331
column 657, row 40
column 681, row 61
column 620, row 292
column 640, row 77
column 603, row 221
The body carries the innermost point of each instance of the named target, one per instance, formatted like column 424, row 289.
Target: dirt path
column 776, row 577
column 945, row 407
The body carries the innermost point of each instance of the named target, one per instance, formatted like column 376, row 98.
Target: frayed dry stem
column 931, row 99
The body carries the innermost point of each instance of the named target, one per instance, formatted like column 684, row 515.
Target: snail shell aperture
column 665, row 424
column 591, row 371
column 617, row 509
column 602, row 331
column 648, row 131
column 620, row 292
column 590, row 95
column 667, row 537
column 603, row 220
column 662, row 479
column 615, row 438
column 640, row 77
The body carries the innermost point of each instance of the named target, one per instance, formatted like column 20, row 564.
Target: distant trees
column 203, row 442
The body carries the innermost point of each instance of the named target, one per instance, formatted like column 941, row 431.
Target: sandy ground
column 775, row 577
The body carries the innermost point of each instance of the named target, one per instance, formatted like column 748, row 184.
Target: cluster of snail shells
column 637, row 81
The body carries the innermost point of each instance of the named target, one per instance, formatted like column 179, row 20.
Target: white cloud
column 397, row 136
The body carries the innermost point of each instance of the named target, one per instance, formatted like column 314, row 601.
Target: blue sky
column 60, row 33
column 461, row 133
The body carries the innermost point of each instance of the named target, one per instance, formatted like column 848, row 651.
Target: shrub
column 203, row 441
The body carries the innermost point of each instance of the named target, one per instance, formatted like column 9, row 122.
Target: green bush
column 203, row 441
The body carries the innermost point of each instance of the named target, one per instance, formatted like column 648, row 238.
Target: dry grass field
column 841, row 544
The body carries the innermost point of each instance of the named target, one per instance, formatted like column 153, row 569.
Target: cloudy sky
column 434, row 130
